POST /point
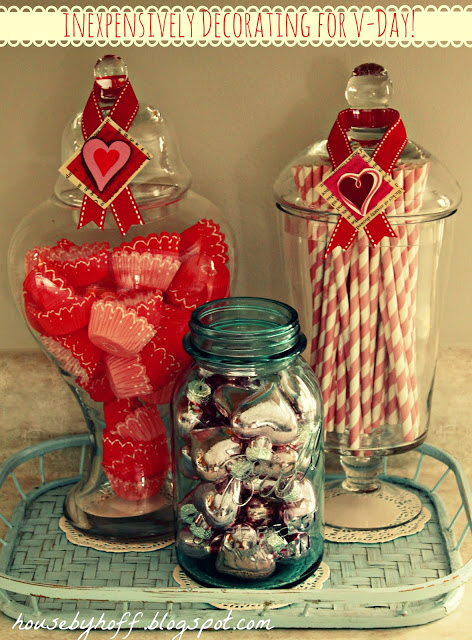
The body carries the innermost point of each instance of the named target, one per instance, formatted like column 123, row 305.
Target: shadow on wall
column 43, row 88
column 308, row 118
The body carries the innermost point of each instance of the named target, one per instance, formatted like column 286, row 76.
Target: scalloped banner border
column 390, row 26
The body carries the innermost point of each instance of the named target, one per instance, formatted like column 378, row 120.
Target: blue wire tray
column 408, row 581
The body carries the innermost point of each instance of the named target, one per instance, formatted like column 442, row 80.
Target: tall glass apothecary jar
column 111, row 305
column 370, row 310
column 248, row 449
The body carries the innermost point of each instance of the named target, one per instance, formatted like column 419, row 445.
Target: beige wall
column 241, row 114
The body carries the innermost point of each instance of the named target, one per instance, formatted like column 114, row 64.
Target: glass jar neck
column 244, row 335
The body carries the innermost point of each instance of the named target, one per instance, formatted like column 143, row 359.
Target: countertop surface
column 35, row 405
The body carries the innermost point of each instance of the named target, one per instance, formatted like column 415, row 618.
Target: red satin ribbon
column 385, row 155
column 123, row 112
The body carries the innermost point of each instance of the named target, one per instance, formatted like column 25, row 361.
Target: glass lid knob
column 110, row 74
column 369, row 87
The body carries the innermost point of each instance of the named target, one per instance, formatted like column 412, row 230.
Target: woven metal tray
column 408, row 581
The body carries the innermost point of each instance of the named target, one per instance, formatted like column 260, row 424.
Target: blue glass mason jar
column 248, row 448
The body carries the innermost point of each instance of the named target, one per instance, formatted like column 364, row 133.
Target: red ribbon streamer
column 385, row 155
column 123, row 112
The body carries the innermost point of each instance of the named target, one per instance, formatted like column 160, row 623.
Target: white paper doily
column 315, row 581
column 333, row 534
column 112, row 546
column 389, row 506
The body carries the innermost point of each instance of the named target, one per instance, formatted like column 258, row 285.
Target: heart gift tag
column 102, row 168
column 105, row 160
column 359, row 189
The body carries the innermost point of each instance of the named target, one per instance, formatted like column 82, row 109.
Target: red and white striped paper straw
column 363, row 317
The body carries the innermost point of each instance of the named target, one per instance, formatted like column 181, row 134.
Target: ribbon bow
column 385, row 157
column 123, row 112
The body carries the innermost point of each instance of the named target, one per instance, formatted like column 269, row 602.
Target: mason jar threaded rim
column 244, row 331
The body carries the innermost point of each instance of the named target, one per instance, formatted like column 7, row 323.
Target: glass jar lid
column 368, row 93
column 165, row 178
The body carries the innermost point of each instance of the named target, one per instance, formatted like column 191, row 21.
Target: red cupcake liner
column 151, row 399
column 103, row 294
column 48, row 289
column 65, row 244
column 32, row 312
column 171, row 332
column 204, row 237
column 142, row 490
column 75, row 353
column 162, row 395
column 35, row 258
column 39, row 256
column 104, row 289
column 147, row 304
column 133, row 270
column 198, row 280
column 163, row 244
column 116, row 412
column 82, row 265
column 161, row 366
column 142, row 425
column 84, row 350
column 127, row 376
column 131, row 460
column 98, row 388
column 118, row 330
column 65, row 358
column 67, row 319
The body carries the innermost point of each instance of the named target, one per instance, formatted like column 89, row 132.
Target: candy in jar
column 249, row 463
column 107, row 273
column 366, row 219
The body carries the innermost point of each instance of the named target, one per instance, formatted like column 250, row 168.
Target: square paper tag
column 106, row 163
column 359, row 189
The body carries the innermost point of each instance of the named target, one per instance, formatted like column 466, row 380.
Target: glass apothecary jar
column 111, row 310
column 248, row 449
column 370, row 312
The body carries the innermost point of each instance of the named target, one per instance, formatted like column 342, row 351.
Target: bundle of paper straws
column 363, row 348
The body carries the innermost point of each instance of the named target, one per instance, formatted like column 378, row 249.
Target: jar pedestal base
column 91, row 541
column 105, row 514
column 388, row 507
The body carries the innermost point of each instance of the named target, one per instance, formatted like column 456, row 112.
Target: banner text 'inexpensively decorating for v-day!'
column 253, row 26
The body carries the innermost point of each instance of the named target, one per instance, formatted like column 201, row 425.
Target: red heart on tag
column 358, row 189
column 104, row 160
